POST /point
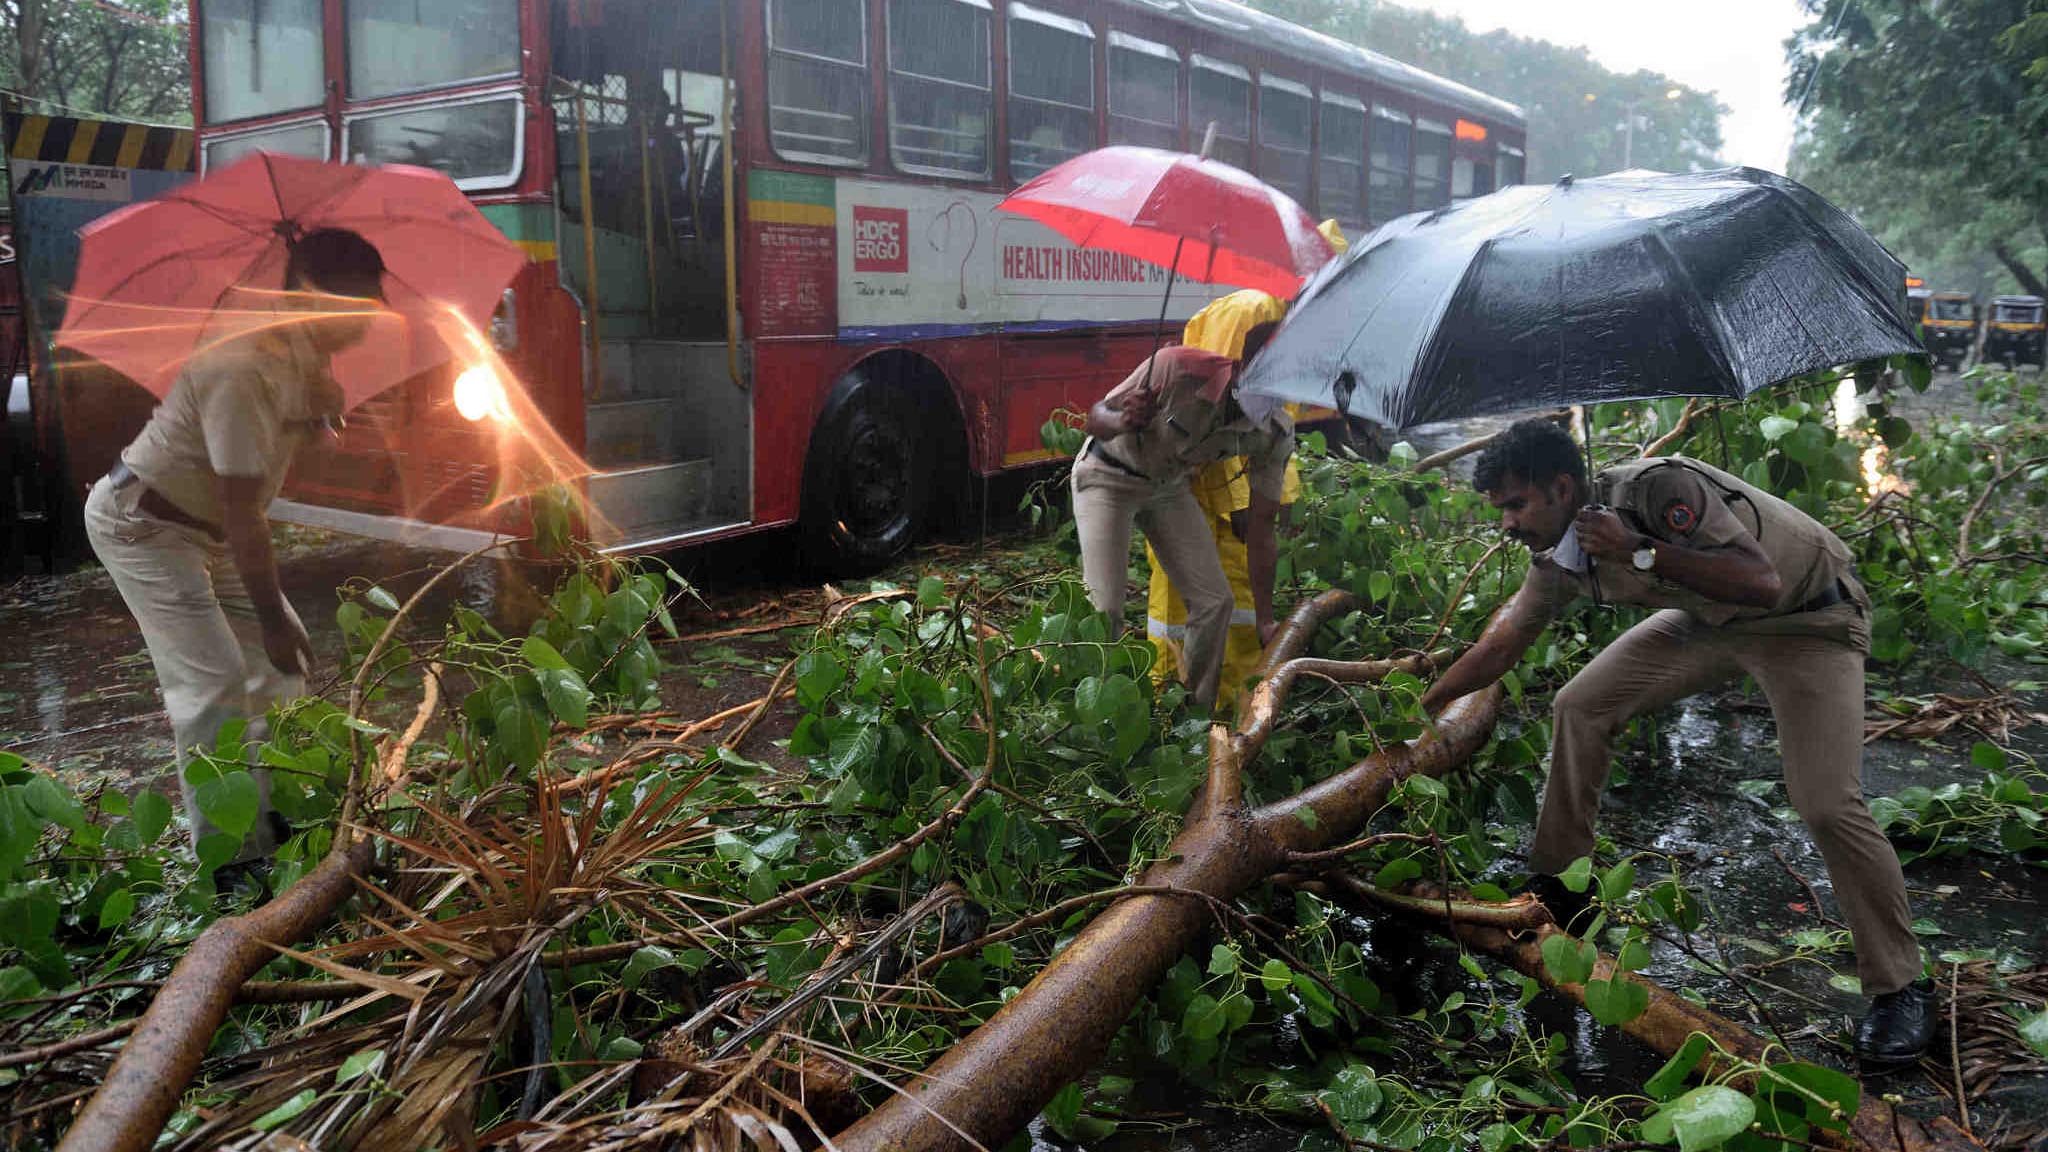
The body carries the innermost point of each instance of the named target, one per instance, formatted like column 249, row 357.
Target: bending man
column 1747, row 584
column 181, row 521
column 1146, row 442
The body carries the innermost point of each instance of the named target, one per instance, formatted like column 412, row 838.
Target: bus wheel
column 865, row 478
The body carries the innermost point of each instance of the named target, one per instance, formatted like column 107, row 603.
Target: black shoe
column 1900, row 1025
column 1572, row 911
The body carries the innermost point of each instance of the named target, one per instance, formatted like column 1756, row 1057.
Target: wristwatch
column 1645, row 556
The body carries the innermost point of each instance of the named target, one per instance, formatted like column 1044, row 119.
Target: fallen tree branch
column 142, row 1089
column 990, row 1083
column 1665, row 1025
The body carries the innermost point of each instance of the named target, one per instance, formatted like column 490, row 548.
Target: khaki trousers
column 1810, row 667
column 203, row 638
column 1107, row 502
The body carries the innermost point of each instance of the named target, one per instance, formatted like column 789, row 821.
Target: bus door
column 641, row 106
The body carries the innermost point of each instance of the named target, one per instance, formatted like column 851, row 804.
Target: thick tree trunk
column 2020, row 272
column 992, row 1082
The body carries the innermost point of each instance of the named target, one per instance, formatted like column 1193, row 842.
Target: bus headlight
column 480, row 393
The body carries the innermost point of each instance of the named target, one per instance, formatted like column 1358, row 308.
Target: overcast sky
column 1734, row 48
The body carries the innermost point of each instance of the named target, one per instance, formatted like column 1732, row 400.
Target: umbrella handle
column 1159, row 327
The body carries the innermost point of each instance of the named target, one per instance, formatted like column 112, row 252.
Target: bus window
column 1283, row 136
column 1052, row 90
column 403, row 45
column 260, row 56
column 1470, row 178
column 1340, row 169
column 308, row 139
column 477, row 143
column 939, row 103
column 1432, row 164
column 1220, row 93
column 817, row 80
column 1391, row 143
column 1144, row 92
column 1508, row 165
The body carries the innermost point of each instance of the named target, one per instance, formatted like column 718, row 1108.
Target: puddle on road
column 78, row 695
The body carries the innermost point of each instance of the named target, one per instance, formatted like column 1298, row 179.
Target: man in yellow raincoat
column 1223, row 492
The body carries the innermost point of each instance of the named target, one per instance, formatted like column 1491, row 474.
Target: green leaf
column 1987, row 756
column 1579, row 875
column 1204, row 1018
column 1775, row 428
column 1276, row 975
column 567, row 696
column 1380, row 585
column 50, row 800
column 1666, row 1081
column 1842, row 1093
column 1616, row 1001
column 2034, row 1030
column 1635, row 956
column 1895, row 431
column 1568, row 960
column 644, row 961
column 1354, row 1095
column 1703, row 1118
column 369, row 1060
column 541, row 654
column 118, row 908
column 1063, row 1110
column 230, row 801
column 931, row 592
column 817, row 674
column 1222, row 960
column 1395, row 873
column 379, row 598
column 1616, row 881
column 286, row 1111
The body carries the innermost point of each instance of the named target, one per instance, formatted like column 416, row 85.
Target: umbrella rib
column 224, row 247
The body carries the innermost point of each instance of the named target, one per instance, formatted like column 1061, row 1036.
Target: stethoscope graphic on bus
column 938, row 235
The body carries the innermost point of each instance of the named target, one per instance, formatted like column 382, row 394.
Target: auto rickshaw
column 1916, row 300
column 1949, row 327
column 2017, row 331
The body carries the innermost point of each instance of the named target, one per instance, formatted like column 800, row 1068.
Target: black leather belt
column 156, row 503
column 1829, row 597
column 1096, row 450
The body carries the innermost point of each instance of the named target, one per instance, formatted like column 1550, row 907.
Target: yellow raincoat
column 1222, row 489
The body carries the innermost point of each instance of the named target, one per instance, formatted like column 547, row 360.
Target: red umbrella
column 1202, row 218
column 158, row 280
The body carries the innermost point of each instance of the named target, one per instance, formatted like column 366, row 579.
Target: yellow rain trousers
column 1222, row 489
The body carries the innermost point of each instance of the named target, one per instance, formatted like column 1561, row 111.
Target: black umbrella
column 1622, row 287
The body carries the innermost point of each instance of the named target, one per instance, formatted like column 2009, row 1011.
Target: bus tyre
column 866, row 478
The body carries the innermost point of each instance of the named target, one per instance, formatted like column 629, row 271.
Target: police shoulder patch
column 1679, row 517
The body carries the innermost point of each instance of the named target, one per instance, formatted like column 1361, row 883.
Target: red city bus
column 768, row 285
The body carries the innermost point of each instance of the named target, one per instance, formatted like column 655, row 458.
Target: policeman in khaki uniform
column 1175, row 414
column 1223, row 489
column 1746, row 583
column 180, row 522
column 1225, row 494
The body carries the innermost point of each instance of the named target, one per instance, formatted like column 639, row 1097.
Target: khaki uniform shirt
column 1695, row 505
column 240, row 408
column 1190, row 431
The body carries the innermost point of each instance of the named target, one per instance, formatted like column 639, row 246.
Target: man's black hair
column 1534, row 451
column 336, row 260
column 1256, row 338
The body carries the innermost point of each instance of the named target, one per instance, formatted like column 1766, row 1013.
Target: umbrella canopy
column 1622, row 287
column 161, row 279
column 1204, row 219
